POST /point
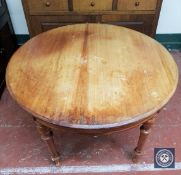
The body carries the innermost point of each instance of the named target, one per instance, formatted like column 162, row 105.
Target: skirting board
column 170, row 41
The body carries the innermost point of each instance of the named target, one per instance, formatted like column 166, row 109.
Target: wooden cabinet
column 7, row 42
column 140, row 15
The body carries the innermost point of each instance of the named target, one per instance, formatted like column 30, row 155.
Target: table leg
column 144, row 132
column 47, row 137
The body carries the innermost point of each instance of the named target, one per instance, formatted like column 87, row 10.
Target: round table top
column 92, row 76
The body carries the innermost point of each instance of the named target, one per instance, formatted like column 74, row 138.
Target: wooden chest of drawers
column 140, row 15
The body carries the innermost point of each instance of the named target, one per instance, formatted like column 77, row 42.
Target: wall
column 170, row 17
column 169, row 21
column 17, row 16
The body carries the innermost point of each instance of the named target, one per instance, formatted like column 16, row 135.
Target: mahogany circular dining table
column 93, row 79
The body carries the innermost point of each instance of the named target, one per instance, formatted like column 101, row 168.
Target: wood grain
column 92, row 76
column 92, row 5
column 137, row 5
column 48, row 5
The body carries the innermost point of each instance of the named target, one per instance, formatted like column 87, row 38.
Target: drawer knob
column 47, row 4
column 137, row 4
column 92, row 4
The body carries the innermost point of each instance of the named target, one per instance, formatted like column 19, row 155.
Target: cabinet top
column 92, row 76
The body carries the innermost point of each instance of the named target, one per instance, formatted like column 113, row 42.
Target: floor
column 22, row 151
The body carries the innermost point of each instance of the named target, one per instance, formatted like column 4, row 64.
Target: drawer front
column 92, row 5
column 141, row 23
column 137, row 4
column 47, row 5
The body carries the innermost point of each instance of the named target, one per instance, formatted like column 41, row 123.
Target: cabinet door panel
column 141, row 23
column 43, row 23
column 48, row 26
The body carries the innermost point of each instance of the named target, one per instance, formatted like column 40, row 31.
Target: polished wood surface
column 92, row 76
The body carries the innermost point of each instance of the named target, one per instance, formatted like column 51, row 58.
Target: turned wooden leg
column 47, row 136
column 144, row 132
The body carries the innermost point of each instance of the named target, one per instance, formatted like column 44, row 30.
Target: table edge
column 136, row 118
